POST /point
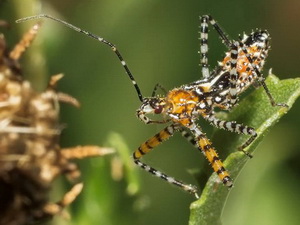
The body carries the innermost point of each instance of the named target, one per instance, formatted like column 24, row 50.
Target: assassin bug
column 240, row 68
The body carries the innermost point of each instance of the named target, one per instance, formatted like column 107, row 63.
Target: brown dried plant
column 30, row 153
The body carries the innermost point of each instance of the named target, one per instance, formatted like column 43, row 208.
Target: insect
column 240, row 68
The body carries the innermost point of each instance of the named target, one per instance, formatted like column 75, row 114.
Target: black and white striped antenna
column 91, row 35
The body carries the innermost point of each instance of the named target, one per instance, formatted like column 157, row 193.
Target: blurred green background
column 159, row 41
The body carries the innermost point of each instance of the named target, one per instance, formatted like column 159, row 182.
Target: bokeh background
column 159, row 41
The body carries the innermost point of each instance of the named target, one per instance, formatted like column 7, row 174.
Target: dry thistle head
column 30, row 154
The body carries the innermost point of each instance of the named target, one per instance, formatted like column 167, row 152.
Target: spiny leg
column 261, row 79
column 204, row 46
column 201, row 177
column 91, row 35
column 190, row 138
column 204, row 41
column 233, row 74
column 206, row 146
column 219, row 30
column 236, row 128
column 152, row 143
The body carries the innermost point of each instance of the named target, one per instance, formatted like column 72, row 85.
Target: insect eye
column 158, row 109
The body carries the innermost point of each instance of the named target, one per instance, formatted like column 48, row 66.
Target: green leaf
column 256, row 111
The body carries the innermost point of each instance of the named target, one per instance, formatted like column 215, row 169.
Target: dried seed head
column 30, row 153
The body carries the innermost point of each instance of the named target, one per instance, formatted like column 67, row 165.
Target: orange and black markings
column 214, row 160
column 181, row 107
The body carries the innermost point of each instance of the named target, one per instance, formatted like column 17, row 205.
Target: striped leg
column 221, row 33
column 204, row 46
column 233, row 54
column 152, row 143
column 233, row 74
column 261, row 79
column 204, row 41
column 205, row 145
column 190, row 139
column 234, row 127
